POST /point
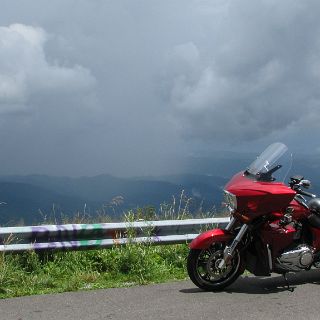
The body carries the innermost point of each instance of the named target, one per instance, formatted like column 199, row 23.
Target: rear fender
column 204, row 240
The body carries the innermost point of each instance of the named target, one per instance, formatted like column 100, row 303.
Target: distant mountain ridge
column 27, row 203
column 31, row 197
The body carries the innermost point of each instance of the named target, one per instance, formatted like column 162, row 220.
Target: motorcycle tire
column 204, row 273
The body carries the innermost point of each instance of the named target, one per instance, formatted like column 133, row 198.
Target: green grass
column 134, row 264
column 32, row 273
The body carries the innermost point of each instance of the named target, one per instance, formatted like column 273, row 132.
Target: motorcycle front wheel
column 203, row 270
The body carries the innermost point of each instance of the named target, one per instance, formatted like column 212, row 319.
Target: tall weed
column 134, row 263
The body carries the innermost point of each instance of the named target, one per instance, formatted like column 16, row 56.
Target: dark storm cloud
column 256, row 74
column 124, row 87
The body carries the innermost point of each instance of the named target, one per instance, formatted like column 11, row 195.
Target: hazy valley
column 31, row 199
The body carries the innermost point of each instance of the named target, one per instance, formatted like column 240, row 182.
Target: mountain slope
column 30, row 204
column 28, row 195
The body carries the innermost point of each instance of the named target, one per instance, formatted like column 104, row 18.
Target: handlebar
column 297, row 183
column 305, row 193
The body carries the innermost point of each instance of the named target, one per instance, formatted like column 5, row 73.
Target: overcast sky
column 130, row 87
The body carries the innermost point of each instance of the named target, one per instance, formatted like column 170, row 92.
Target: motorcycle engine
column 297, row 259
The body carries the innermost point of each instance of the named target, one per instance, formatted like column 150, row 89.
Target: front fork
column 230, row 224
column 229, row 250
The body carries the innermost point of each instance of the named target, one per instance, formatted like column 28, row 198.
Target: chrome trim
column 239, row 236
column 297, row 259
column 269, row 258
column 230, row 224
column 229, row 250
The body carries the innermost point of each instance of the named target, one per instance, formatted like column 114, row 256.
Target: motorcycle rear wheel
column 203, row 270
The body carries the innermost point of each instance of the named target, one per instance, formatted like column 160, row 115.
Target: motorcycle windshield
column 267, row 159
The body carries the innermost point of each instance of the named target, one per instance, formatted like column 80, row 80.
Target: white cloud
column 25, row 73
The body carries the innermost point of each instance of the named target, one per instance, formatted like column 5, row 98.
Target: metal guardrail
column 103, row 235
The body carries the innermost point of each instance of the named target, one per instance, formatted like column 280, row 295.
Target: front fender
column 204, row 240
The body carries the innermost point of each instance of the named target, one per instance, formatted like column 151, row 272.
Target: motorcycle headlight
column 230, row 201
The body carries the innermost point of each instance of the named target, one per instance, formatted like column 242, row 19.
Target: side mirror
column 306, row 183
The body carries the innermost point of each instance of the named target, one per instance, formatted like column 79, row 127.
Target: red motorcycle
column 273, row 228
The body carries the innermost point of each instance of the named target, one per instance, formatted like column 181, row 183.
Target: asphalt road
column 248, row 298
